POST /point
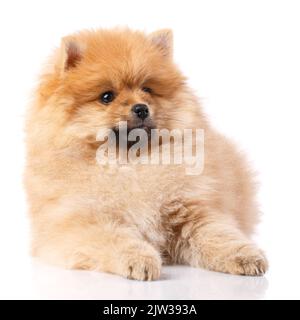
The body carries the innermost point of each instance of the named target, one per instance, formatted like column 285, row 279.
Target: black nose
column 141, row 110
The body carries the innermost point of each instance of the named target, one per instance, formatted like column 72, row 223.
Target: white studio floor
column 22, row 277
column 39, row 281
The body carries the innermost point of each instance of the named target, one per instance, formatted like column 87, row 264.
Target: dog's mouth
column 124, row 133
column 146, row 125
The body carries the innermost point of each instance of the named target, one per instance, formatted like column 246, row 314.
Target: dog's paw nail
column 248, row 261
column 143, row 268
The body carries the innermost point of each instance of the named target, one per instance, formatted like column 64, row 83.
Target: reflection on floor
column 177, row 282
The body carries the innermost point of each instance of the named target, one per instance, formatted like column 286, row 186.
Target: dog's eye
column 147, row 89
column 107, row 97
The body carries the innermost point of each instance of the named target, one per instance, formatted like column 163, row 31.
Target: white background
column 242, row 59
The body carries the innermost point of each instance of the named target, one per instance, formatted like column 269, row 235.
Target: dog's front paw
column 247, row 260
column 143, row 268
column 141, row 265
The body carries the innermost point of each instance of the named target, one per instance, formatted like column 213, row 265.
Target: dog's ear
column 71, row 53
column 163, row 39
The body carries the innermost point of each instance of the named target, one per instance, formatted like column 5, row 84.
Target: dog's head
column 107, row 76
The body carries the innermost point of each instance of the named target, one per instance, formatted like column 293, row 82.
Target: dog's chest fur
column 148, row 197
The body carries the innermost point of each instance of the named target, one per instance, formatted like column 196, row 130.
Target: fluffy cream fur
column 130, row 220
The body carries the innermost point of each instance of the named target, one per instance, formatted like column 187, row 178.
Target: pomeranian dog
column 130, row 219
